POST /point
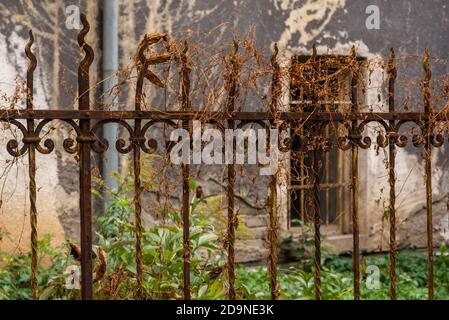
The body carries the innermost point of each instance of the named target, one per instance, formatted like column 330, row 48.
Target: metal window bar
column 333, row 182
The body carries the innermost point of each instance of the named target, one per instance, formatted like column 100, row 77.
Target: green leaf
column 192, row 184
column 202, row 290
column 207, row 238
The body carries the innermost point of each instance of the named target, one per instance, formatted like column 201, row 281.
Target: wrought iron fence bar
column 32, row 167
column 142, row 67
column 355, row 185
column 273, row 231
column 84, row 141
column 326, row 178
column 317, row 222
column 316, row 181
column 323, row 186
column 391, row 175
column 232, row 88
column 185, row 168
column 428, row 170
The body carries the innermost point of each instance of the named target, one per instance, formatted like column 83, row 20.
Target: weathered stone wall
column 55, row 88
column 334, row 25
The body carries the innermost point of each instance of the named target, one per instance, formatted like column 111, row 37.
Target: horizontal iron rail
column 6, row 115
column 322, row 186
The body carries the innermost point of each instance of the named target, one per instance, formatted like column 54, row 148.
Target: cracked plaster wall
column 334, row 25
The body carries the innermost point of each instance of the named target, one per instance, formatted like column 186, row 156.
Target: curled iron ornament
column 68, row 144
column 437, row 140
column 427, row 135
column 284, row 144
column 400, row 139
column 101, row 144
column 13, row 145
column 151, row 145
column 356, row 138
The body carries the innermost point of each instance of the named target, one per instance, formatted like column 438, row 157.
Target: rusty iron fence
column 86, row 122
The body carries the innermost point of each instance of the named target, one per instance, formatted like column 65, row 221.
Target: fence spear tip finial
column 30, row 41
column 353, row 51
column 426, row 54
column 391, row 65
column 425, row 63
column 275, row 54
column 84, row 31
column 29, row 54
column 392, row 57
column 236, row 45
column 85, row 22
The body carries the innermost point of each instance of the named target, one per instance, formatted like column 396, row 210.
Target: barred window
column 332, row 89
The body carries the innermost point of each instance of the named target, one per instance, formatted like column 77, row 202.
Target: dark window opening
column 332, row 89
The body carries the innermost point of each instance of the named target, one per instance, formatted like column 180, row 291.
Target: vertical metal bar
column 138, row 208
column 340, row 197
column 299, row 155
column 355, row 185
column 137, row 168
column 232, row 219
column 273, row 232
column 428, row 169
column 392, row 177
column 84, row 141
column 231, row 228
column 326, row 180
column 316, row 181
column 32, row 168
column 317, row 222
column 302, row 191
column 328, row 96
column 341, row 177
column 185, row 93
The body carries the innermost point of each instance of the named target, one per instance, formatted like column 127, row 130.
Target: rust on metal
column 186, row 105
column 313, row 135
column 141, row 69
column 138, row 140
column 85, row 140
column 144, row 63
column 273, row 231
column 355, row 183
column 32, row 166
column 316, row 180
column 391, row 176
column 289, row 116
column 232, row 89
column 428, row 169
